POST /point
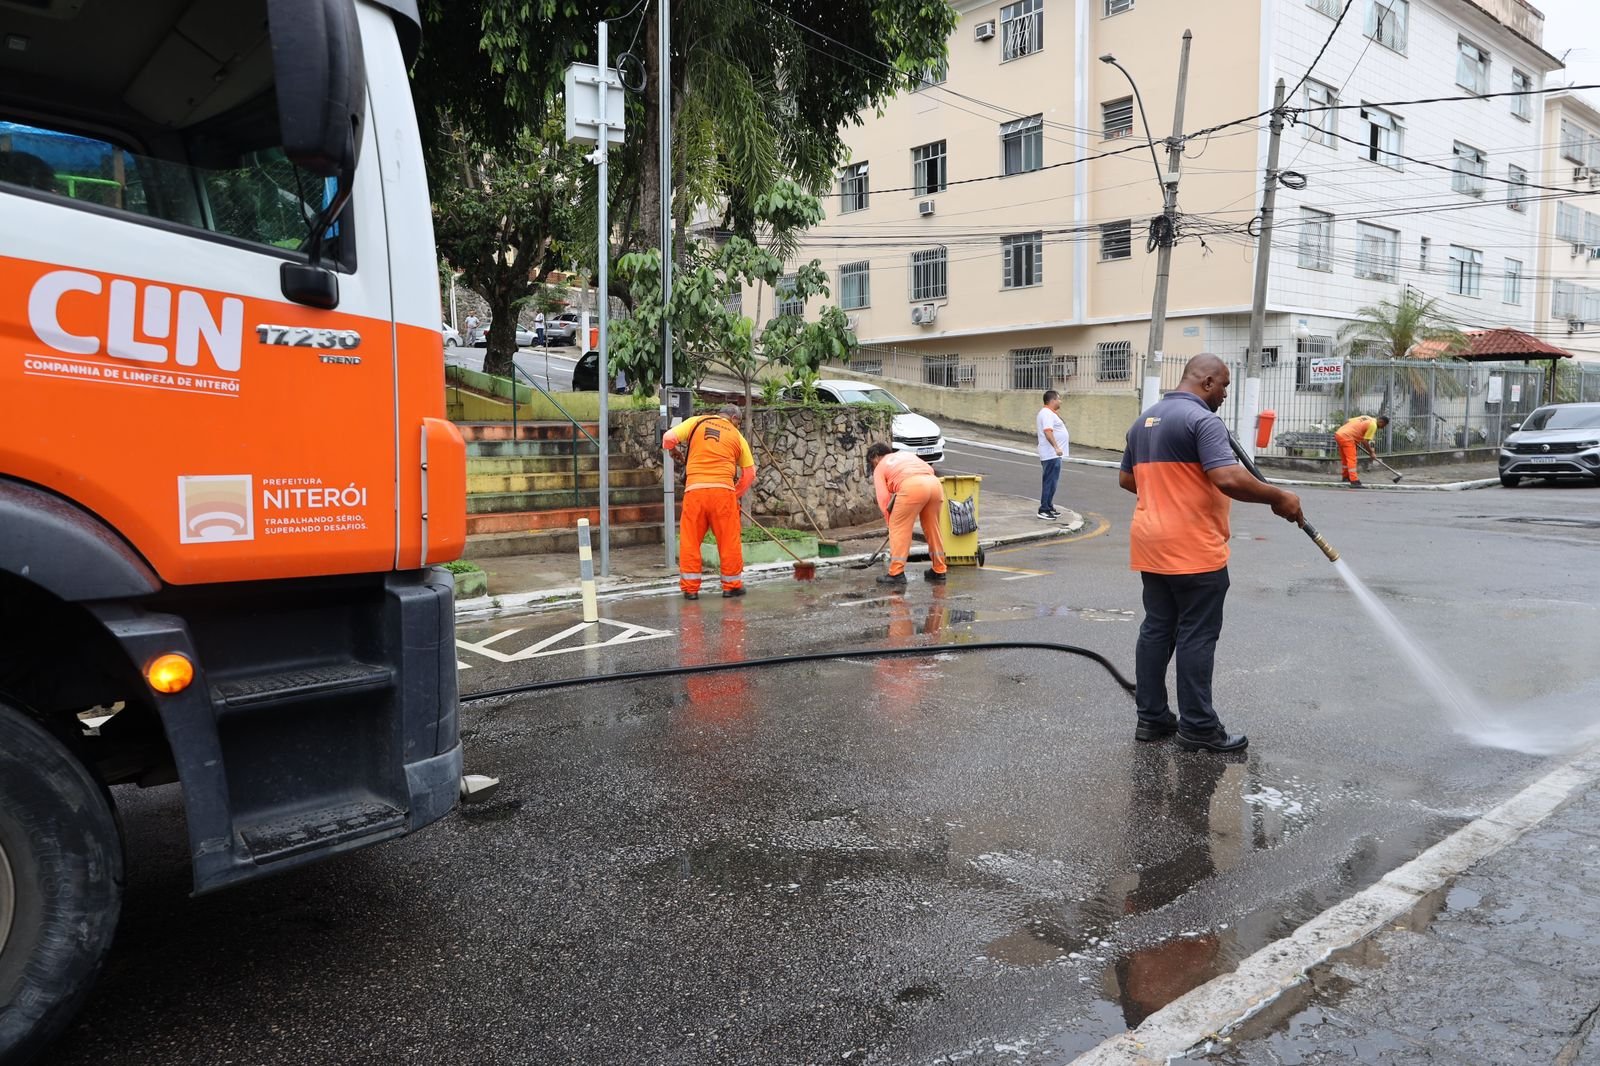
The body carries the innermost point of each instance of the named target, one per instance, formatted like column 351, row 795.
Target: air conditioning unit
column 1582, row 173
column 1580, row 249
column 852, row 322
column 924, row 314
column 924, row 208
column 983, row 31
column 1575, row 325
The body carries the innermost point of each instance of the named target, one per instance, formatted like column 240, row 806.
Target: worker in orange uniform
column 907, row 488
column 1360, row 430
column 718, row 471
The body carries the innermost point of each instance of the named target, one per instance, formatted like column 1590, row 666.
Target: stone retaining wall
column 807, row 459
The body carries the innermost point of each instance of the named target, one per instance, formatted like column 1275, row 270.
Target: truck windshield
column 176, row 125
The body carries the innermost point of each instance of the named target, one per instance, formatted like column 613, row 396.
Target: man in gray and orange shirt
column 1180, row 464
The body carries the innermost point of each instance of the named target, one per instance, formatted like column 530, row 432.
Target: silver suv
column 1559, row 440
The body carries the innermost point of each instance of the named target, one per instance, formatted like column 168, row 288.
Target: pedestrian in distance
column 1360, row 431
column 908, row 491
column 718, row 471
column 1180, row 464
column 473, row 333
column 1052, row 434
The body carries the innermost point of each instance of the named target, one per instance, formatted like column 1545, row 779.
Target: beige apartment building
column 994, row 224
column 1568, row 285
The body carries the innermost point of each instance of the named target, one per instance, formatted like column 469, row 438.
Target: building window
column 1466, row 271
column 1386, row 22
column 1472, row 67
column 1030, row 368
column 939, row 370
column 1305, row 351
column 853, row 188
column 1316, row 239
column 1513, row 289
column 1517, row 191
column 1115, row 359
column 933, row 74
column 1021, row 29
column 1331, row 8
column 734, row 301
column 788, row 302
column 1569, row 222
column 1423, row 248
column 1024, row 259
column 1117, row 7
column 1471, row 165
column 1574, row 142
column 1522, row 106
column 1385, row 137
column 928, row 173
column 1377, row 252
column 855, row 285
column 1116, row 118
column 929, row 277
column 1562, row 299
column 1022, row 144
column 1321, row 125
column 1116, row 241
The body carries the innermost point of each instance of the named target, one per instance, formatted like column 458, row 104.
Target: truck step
column 308, row 683
column 291, row 834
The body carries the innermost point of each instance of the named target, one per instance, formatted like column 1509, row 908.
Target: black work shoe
column 937, row 577
column 1355, row 484
column 731, row 594
column 691, row 595
column 1219, row 741
column 1161, row 730
column 893, row 581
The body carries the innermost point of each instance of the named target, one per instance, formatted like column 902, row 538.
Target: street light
column 1111, row 60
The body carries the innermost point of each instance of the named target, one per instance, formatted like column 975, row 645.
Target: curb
column 1452, row 486
column 623, row 588
column 1200, row 1020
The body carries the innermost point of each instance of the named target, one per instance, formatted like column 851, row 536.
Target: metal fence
column 1578, row 383
column 1432, row 406
column 1109, row 368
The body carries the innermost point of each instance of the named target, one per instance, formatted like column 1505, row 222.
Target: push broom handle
column 774, row 538
column 1311, row 531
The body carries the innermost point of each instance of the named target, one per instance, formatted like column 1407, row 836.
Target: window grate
column 1116, row 241
column 1021, row 29
column 1115, row 359
column 929, row 277
column 855, row 285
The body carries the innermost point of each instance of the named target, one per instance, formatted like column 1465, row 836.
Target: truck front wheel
column 60, row 884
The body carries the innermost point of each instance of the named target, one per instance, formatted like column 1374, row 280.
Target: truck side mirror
column 321, row 79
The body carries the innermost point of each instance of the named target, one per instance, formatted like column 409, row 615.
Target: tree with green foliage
column 1393, row 329
column 506, row 215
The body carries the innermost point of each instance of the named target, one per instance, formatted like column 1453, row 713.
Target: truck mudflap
column 336, row 731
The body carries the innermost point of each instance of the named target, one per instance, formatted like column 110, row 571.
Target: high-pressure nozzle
column 1317, row 538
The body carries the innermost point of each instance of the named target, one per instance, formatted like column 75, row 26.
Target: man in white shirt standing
column 1052, row 433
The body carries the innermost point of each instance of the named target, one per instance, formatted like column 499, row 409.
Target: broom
column 804, row 569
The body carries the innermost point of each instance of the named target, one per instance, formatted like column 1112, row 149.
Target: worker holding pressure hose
column 1180, row 463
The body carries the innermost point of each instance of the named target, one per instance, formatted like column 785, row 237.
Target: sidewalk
column 523, row 580
column 1500, row 966
column 1444, row 476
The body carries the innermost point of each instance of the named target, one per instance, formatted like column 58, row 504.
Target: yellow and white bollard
column 591, row 609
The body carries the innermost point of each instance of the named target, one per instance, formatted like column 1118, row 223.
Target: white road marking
column 579, row 637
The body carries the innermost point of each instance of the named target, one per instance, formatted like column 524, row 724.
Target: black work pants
column 1182, row 612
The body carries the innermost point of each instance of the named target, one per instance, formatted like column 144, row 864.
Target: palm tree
column 1393, row 330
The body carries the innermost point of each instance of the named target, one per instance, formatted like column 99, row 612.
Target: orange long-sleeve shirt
column 894, row 470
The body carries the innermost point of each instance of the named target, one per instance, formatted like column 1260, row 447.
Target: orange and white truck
column 225, row 471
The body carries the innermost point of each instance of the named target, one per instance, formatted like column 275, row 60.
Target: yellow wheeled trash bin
column 960, row 512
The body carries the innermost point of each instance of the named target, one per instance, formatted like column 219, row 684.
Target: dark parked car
column 1559, row 440
column 586, row 375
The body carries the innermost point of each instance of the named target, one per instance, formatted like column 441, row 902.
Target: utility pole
column 1169, row 229
column 603, row 379
column 669, row 513
column 1258, row 308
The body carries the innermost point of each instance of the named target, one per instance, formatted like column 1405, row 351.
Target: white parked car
column 452, row 339
column 912, row 432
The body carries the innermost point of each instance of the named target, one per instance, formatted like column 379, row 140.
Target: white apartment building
column 1567, row 296
column 980, row 215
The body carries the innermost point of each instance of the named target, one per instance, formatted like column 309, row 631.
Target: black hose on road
column 804, row 657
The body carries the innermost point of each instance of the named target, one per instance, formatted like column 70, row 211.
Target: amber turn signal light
column 170, row 673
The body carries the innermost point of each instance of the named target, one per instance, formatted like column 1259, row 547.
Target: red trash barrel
column 1264, row 423
column 594, row 338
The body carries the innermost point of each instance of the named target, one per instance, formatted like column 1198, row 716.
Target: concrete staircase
column 528, row 485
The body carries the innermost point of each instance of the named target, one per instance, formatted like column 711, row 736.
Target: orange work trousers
column 1347, row 458
column 716, row 509
column 918, row 497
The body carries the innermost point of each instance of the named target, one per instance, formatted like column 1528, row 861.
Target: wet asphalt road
column 958, row 857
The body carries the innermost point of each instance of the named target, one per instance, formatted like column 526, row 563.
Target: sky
column 1574, row 25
